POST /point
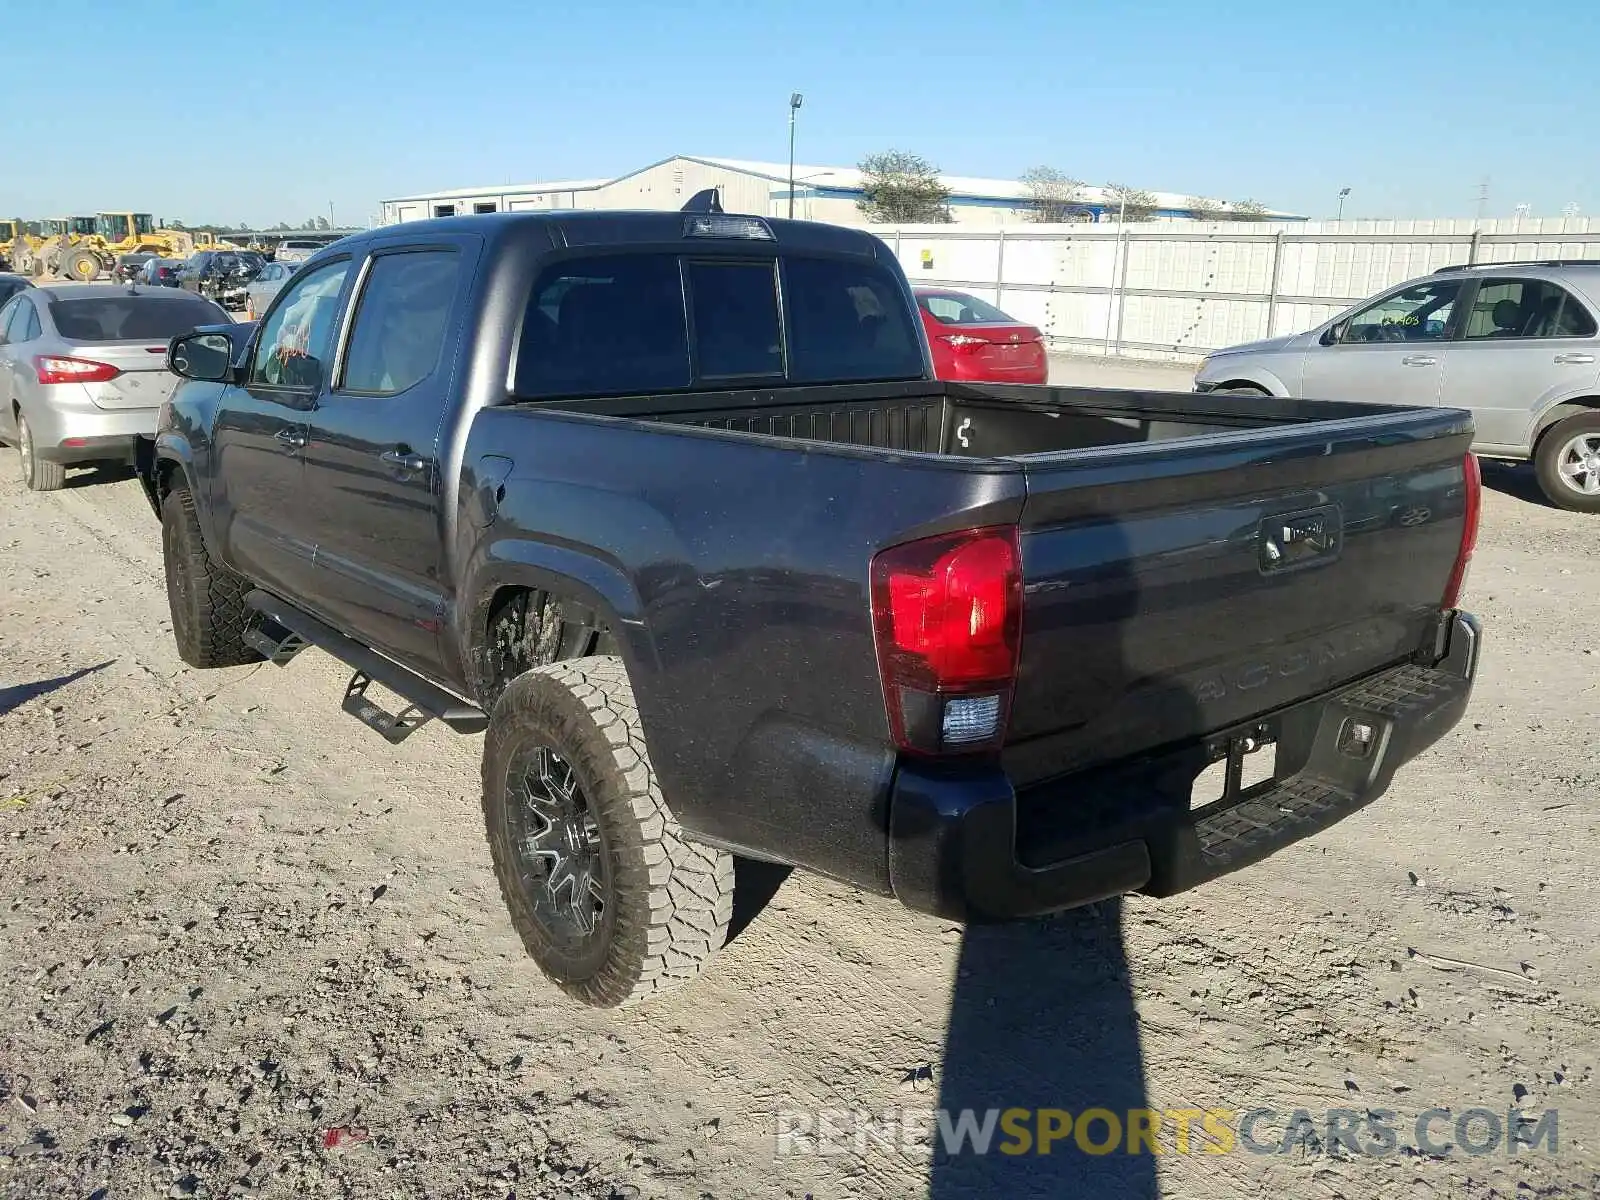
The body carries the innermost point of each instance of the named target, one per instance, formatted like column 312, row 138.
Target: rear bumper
column 968, row 846
column 80, row 432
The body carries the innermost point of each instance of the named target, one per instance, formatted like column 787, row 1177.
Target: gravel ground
column 248, row 948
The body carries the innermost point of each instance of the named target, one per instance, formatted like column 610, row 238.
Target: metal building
column 820, row 194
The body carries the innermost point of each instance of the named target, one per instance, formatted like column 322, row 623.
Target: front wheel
column 81, row 265
column 1567, row 463
column 209, row 615
column 612, row 901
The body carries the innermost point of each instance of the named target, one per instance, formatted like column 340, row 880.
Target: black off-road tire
column 40, row 474
column 1547, row 463
column 209, row 617
column 667, row 900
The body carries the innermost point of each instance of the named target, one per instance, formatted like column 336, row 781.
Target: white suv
column 1517, row 344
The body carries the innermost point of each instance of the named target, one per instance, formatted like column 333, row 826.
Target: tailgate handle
column 1312, row 537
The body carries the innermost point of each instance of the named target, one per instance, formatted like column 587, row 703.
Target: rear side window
column 133, row 318
column 1526, row 308
column 847, row 322
column 400, row 321
column 605, row 327
column 617, row 325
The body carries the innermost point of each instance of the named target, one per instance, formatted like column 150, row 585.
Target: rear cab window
column 637, row 323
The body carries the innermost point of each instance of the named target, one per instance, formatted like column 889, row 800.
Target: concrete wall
column 1176, row 291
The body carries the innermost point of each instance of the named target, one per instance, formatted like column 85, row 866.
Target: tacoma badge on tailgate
column 1309, row 538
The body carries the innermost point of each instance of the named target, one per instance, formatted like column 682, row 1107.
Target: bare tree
column 1054, row 196
column 1250, row 210
column 1134, row 204
column 1206, row 209
column 902, row 188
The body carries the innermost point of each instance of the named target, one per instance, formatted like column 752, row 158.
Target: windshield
column 143, row 223
column 83, row 225
column 958, row 308
column 133, row 318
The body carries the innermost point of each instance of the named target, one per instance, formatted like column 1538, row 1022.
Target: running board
column 425, row 701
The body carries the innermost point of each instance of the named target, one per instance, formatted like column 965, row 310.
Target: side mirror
column 1333, row 333
column 207, row 357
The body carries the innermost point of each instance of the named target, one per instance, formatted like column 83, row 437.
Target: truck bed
column 965, row 419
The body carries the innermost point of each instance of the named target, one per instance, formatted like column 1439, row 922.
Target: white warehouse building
column 761, row 188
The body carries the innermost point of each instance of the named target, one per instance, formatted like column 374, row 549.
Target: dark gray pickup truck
column 671, row 506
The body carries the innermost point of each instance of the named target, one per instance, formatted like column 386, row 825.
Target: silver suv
column 1518, row 344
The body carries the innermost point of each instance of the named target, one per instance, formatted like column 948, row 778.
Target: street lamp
column 795, row 100
column 1343, row 192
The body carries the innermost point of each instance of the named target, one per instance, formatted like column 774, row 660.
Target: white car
column 1516, row 344
column 268, row 283
column 293, row 250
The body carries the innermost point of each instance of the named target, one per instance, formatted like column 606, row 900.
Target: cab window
column 1420, row 313
column 400, row 321
column 296, row 343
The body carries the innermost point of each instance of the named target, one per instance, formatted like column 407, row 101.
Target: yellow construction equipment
column 58, row 247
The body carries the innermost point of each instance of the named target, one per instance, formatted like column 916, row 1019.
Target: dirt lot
column 233, row 921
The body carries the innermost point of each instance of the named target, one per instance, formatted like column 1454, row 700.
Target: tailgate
column 1173, row 589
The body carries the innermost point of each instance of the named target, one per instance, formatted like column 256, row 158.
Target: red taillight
column 947, row 615
column 1472, row 508
column 52, row 369
column 963, row 343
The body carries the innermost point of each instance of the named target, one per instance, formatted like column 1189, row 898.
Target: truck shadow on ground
column 1042, row 1013
column 20, row 694
column 1043, row 1018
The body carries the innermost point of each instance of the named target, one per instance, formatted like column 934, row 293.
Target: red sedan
column 972, row 339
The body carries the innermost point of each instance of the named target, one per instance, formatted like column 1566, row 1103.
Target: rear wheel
column 209, row 616
column 1567, row 463
column 1241, row 389
column 39, row 474
column 610, row 898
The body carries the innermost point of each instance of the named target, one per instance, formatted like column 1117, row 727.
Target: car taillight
column 962, row 341
column 54, row 369
column 1473, row 507
column 947, row 619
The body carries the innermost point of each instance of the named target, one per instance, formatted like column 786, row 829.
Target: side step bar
column 288, row 630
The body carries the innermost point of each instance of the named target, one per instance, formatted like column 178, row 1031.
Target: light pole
column 795, row 100
column 331, row 225
column 1343, row 192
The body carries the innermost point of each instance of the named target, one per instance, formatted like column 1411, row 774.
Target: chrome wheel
column 561, row 852
column 1578, row 464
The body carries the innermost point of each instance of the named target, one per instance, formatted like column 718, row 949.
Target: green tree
column 1054, row 196
column 902, row 188
column 1133, row 204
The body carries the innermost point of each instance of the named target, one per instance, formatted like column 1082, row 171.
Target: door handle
column 1419, row 360
column 291, row 438
column 1575, row 358
column 404, row 460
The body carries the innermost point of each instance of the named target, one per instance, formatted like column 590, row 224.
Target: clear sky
column 222, row 113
